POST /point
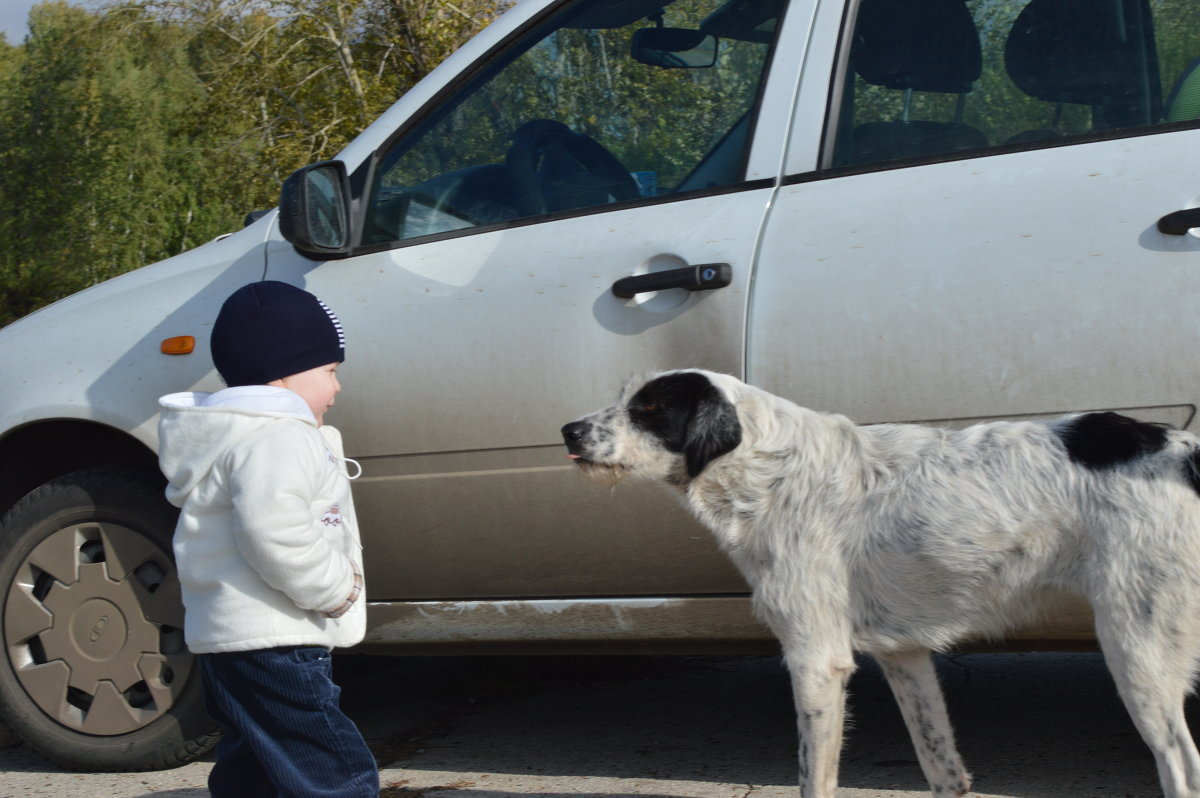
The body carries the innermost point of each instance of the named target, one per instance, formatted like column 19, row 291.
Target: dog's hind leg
column 1153, row 672
column 915, row 685
column 819, row 690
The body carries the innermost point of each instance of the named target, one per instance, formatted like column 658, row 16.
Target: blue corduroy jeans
column 284, row 733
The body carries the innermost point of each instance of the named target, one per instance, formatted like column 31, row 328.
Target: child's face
column 316, row 386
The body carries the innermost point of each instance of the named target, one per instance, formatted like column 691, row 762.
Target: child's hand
column 355, row 591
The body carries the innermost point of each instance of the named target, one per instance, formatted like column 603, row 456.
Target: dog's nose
column 572, row 433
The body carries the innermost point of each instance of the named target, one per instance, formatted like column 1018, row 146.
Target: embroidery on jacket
column 332, row 516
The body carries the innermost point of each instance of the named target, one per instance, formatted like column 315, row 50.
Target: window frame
column 363, row 180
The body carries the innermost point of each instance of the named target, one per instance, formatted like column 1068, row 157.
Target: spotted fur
column 898, row 540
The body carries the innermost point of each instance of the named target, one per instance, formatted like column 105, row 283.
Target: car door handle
column 1179, row 222
column 701, row 277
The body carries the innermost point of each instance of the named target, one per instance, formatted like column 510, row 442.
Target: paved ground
column 1030, row 726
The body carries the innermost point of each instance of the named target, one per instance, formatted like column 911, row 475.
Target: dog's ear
column 713, row 428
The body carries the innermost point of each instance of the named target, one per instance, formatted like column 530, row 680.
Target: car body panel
column 97, row 355
column 1028, row 300
column 490, row 341
column 676, row 625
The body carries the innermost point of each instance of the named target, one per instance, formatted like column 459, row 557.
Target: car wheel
column 95, row 675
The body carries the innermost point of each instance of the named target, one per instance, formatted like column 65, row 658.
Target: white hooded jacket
column 267, row 540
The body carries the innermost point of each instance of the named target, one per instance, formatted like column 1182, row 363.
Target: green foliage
column 82, row 150
column 141, row 130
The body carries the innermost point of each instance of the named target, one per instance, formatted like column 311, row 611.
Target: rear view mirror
column 674, row 48
column 314, row 210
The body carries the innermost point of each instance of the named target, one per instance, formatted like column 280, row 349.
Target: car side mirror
column 314, row 210
column 674, row 48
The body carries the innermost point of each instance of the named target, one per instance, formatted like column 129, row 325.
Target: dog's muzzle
column 573, row 435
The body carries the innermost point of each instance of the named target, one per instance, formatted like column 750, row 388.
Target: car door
column 479, row 307
column 974, row 232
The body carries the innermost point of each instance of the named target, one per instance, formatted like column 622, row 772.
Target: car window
column 925, row 78
column 606, row 102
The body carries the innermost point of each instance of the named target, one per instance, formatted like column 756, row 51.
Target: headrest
column 1073, row 51
column 612, row 13
column 745, row 20
column 925, row 45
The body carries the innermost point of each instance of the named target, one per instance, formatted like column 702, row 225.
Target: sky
column 13, row 16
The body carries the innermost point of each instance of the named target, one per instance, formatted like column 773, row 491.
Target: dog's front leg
column 819, row 689
column 915, row 685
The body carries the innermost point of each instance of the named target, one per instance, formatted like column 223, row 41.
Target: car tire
column 95, row 675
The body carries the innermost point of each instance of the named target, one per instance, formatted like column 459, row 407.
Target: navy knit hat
column 269, row 330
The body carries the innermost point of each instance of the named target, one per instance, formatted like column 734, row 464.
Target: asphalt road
column 1029, row 726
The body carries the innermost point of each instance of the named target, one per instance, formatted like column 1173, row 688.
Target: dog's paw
column 956, row 786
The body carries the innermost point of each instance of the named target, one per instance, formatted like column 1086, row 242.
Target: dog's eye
column 650, row 407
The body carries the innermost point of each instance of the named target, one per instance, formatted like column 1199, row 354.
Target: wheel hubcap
column 93, row 626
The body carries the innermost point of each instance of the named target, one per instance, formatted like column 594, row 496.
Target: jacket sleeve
column 274, row 479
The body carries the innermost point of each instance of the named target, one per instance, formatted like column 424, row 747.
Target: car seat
column 1100, row 55
column 917, row 45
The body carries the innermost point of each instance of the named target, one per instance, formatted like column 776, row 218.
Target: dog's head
column 669, row 428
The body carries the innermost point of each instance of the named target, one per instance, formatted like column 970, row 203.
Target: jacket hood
column 197, row 428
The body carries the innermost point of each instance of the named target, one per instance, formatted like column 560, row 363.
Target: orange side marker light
column 179, row 345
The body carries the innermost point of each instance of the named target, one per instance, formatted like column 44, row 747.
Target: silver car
column 901, row 210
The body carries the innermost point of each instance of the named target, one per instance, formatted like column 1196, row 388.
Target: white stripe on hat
column 337, row 324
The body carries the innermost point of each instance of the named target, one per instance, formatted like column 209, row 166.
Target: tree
column 142, row 129
column 307, row 75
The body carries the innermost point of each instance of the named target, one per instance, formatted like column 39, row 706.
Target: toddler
column 268, row 550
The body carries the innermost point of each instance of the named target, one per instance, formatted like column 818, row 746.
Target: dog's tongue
column 572, row 456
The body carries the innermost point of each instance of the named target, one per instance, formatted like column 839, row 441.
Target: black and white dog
column 896, row 540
